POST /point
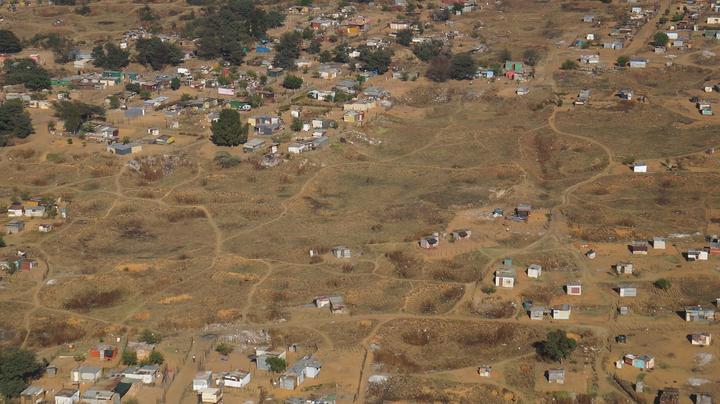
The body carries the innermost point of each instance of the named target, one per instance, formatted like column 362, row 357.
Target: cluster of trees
column 457, row 67
column 110, row 56
column 228, row 130
column 228, row 30
column 292, row 82
column 158, row 54
column 129, row 358
column 569, row 65
column 9, row 43
column 17, row 367
column 377, row 60
column 288, row 50
column 660, row 39
column 63, row 48
column 76, row 113
column 27, row 72
column 15, row 122
column 557, row 346
column 426, row 51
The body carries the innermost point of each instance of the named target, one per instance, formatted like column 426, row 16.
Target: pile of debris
column 153, row 168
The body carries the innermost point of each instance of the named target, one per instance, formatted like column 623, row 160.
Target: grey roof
column 306, row 362
column 88, row 369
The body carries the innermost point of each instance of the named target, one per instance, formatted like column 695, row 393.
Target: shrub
column 569, row 65
column 662, row 283
column 224, row 349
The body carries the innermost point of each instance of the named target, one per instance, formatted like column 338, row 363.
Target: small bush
column 662, row 284
column 226, row 160
column 488, row 290
column 224, row 349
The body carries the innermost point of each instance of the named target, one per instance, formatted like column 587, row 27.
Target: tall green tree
column 276, row 364
column 75, row 113
column 9, row 43
column 377, row 60
column 27, row 72
column 427, row 50
column 129, row 358
column 14, row 121
column 158, row 54
column 110, row 56
column 404, row 37
column 175, row 83
column 226, row 31
column 228, row 130
column 439, row 69
column 462, row 67
column 63, row 48
column 288, row 50
column 557, row 346
column 292, row 82
column 660, row 39
column 17, row 367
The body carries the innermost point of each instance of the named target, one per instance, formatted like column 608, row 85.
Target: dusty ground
column 205, row 250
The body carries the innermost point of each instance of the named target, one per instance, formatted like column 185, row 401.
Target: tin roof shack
column 699, row 313
column 253, row 145
column 522, row 211
column 639, row 361
column 341, row 252
column 701, row 339
column 262, row 354
column 561, row 312
column 505, row 277
column 556, row 376
column 703, row 398
column 85, row 374
column 147, row 374
column 534, row 271
column 626, row 291
column 124, row 149
column 14, row 226
column 236, row 378
column 432, row 241
column 536, row 312
column 67, row 396
column 573, row 289
column 624, row 268
column 103, row 351
column 459, row 235
column 638, row 247
column 296, row 374
column 202, row 380
column 697, row 255
column 211, row 395
column 669, row 395
column 32, row 395
column 95, row 396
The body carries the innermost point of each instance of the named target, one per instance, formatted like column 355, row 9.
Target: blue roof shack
column 124, row 149
column 262, row 49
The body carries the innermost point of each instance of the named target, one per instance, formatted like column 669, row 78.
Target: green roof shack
column 59, row 82
column 516, row 67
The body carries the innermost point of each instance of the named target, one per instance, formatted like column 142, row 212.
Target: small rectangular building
column 253, row 145
column 202, row 380
column 121, row 149
column 67, row 396
column 561, row 312
column 627, row 291
column 505, row 278
column 701, row 339
column 534, row 271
